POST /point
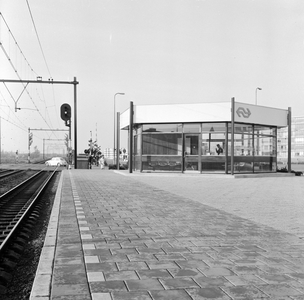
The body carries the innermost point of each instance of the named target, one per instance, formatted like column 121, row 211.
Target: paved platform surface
column 115, row 235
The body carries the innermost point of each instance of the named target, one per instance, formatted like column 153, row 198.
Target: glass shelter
column 195, row 139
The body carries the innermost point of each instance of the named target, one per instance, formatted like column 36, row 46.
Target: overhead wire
column 37, row 35
column 28, row 5
column 11, row 34
column 28, row 64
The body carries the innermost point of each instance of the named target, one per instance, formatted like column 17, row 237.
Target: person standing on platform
column 101, row 162
column 219, row 149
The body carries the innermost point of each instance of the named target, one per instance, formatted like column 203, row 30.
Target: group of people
column 99, row 161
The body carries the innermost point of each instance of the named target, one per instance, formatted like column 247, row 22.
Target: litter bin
column 82, row 162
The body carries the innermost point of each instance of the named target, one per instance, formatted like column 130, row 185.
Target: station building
column 225, row 137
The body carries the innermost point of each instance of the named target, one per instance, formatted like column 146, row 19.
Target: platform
column 114, row 235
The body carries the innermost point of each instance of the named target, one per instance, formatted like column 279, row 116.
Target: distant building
column 109, row 153
column 297, row 141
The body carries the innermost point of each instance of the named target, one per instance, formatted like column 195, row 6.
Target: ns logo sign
column 242, row 112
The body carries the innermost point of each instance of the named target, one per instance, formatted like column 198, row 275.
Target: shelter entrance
column 191, row 152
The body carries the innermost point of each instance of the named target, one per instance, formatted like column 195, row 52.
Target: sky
column 154, row 51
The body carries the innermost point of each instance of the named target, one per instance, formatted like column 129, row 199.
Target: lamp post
column 256, row 94
column 114, row 125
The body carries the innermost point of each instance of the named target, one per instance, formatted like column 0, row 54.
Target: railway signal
column 65, row 112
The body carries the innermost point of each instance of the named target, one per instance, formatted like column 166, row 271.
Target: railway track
column 19, row 210
column 7, row 173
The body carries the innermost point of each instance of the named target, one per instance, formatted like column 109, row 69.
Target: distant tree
column 69, row 149
column 94, row 151
column 36, row 153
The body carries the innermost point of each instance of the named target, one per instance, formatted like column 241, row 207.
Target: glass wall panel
column 136, row 163
column 214, row 127
column 162, row 144
column 243, row 129
column 213, row 163
column 265, row 145
column 243, row 144
column 213, row 139
column 265, row 164
column 243, row 164
column 162, row 128
column 192, row 128
column 264, row 130
column 161, row 163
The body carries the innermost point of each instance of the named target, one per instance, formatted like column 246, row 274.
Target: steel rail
column 36, row 194
column 8, row 173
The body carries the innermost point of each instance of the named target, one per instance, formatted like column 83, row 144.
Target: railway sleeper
column 5, row 277
column 3, row 289
column 26, row 231
column 23, row 235
column 12, row 255
column 20, row 241
column 17, row 248
column 7, row 264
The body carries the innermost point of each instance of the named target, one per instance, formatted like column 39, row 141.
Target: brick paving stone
column 274, row 290
column 217, row 272
column 206, row 282
column 124, row 251
column 190, row 264
column 208, row 293
column 113, row 258
column 185, row 272
column 244, row 279
column 144, row 284
column 101, row 296
column 277, row 269
column 107, row 286
column 248, row 262
column 124, row 266
column 68, row 260
column 277, row 278
column 170, row 295
column 151, row 250
column 158, row 273
column 69, row 278
column 245, row 292
column 162, row 264
column 102, row 252
column 69, row 269
column 298, row 276
column 220, row 262
column 177, row 250
column 153, row 244
column 91, row 259
column 178, row 283
column 104, row 267
column 121, row 275
column 141, row 295
column 65, row 290
column 105, row 245
column 174, row 256
column 69, row 297
column 242, row 270
column 142, row 257
column 95, row 276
